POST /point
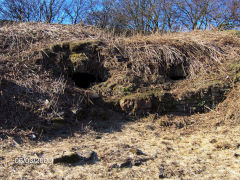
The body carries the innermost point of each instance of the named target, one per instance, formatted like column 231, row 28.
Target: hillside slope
column 156, row 106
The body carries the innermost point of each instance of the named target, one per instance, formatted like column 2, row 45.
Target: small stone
column 91, row 157
column 73, row 158
column 236, row 155
column 137, row 152
column 139, row 161
column 213, row 141
column 126, row 164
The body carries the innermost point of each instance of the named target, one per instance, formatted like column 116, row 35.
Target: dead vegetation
column 145, row 79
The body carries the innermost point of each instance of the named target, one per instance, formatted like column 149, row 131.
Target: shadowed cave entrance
column 177, row 72
column 84, row 80
column 175, row 78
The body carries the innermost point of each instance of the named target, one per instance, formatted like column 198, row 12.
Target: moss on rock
column 234, row 69
column 79, row 46
column 165, row 102
column 138, row 102
column 78, row 57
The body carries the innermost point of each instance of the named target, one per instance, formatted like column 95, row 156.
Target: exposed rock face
column 138, row 103
column 75, row 57
column 127, row 80
column 164, row 102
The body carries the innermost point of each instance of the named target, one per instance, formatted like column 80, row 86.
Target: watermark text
column 28, row 160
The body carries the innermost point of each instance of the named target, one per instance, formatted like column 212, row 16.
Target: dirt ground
column 202, row 149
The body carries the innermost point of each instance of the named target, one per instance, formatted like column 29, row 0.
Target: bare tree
column 171, row 15
column 35, row 10
column 103, row 13
column 227, row 15
column 77, row 10
column 193, row 12
column 138, row 15
column 157, row 15
column 17, row 10
column 52, row 10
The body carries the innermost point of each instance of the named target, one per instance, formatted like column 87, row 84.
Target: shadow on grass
column 19, row 112
column 14, row 105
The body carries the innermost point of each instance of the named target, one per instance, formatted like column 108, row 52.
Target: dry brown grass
column 192, row 152
column 30, row 85
column 200, row 146
column 202, row 55
column 196, row 48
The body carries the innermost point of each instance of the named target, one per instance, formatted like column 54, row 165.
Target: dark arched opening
column 177, row 72
column 84, row 80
